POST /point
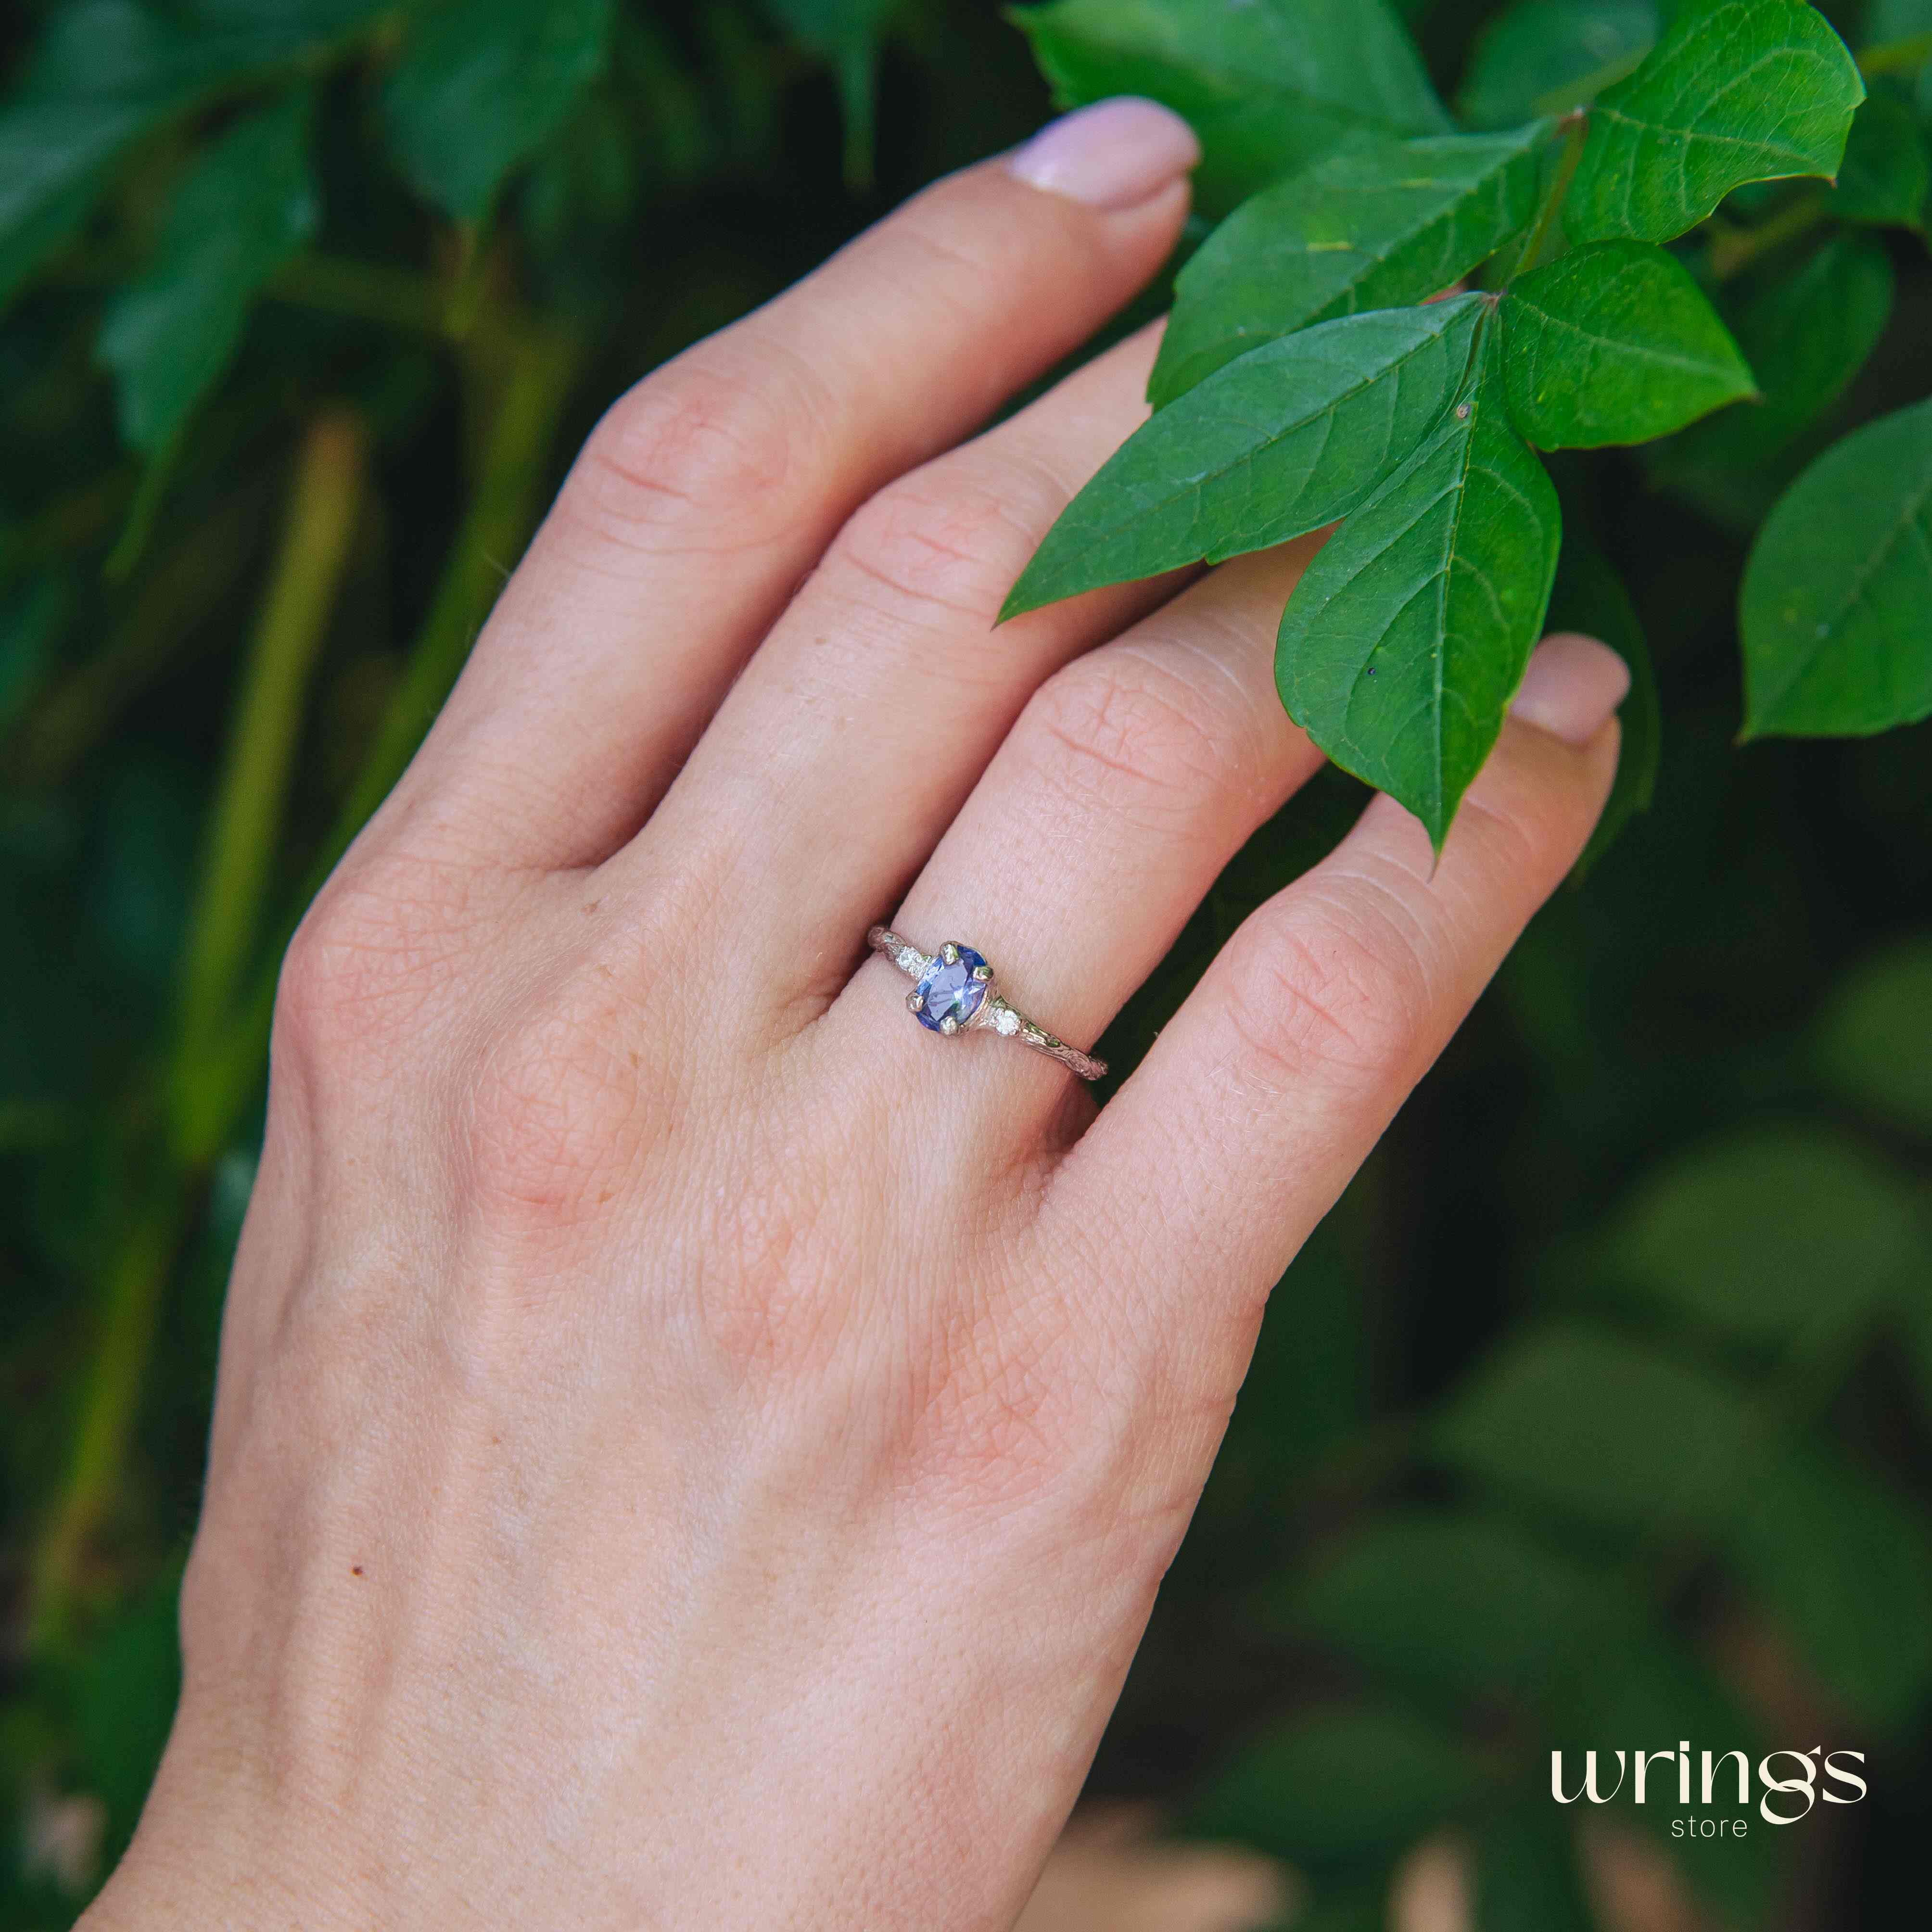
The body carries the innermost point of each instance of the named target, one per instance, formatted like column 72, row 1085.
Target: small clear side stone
column 1006, row 1021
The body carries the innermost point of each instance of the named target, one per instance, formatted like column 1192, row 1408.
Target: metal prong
column 914, row 1000
column 949, row 1026
column 982, row 972
column 949, row 953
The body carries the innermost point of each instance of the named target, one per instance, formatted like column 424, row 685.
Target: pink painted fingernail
column 1114, row 155
column 1571, row 688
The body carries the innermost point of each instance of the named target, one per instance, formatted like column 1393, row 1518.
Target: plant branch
column 1577, row 94
column 495, row 527
column 392, row 298
column 172, row 605
column 136, row 1280
column 1905, row 56
column 1734, row 250
column 325, row 501
column 1576, row 128
column 323, row 506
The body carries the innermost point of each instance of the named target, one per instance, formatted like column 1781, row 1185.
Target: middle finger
column 865, row 718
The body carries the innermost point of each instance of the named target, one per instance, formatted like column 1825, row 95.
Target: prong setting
column 955, row 992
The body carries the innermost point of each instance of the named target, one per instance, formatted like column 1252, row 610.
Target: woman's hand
column 693, row 1448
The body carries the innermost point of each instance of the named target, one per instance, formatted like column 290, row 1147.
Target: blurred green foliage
column 1598, row 1414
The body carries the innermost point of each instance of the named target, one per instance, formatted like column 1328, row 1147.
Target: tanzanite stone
column 950, row 992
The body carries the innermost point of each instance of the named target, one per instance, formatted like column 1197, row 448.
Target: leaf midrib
column 1662, row 357
column 1325, row 415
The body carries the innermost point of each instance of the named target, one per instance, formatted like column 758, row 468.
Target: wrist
column 204, row 1857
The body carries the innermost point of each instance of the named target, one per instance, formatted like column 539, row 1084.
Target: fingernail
column 1572, row 686
column 1114, row 155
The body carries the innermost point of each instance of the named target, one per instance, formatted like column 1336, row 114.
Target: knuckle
column 1115, row 734
column 1520, row 842
column 703, row 449
column 1315, row 994
column 371, row 956
column 943, row 540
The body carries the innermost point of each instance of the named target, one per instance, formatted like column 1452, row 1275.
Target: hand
column 692, row 1448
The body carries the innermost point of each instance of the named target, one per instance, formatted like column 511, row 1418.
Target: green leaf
column 1404, row 642
column 1660, row 1692
column 1844, row 1564
column 845, row 34
column 1888, row 169
column 1578, row 1420
column 1279, row 441
column 1806, row 335
column 53, row 154
column 1528, row 1878
column 247, row 206
column 1589, row 597
column 1742, row 91
column 1836, row 640
column 1539, row 48
column 1269, row 85
column 482, row 84
column 1776, row 1236
column 1873, row 1045
column 1614, row 343
column 1463, row 1606
column 1338, row 1787
column 1378, row 224
column 107, row 72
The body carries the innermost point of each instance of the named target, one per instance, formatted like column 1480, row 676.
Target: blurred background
column 1598, row 1414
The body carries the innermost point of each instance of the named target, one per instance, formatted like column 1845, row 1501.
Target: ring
column 955, row 993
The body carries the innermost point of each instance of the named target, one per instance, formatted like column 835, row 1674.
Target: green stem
column 1545, row 223
column 170, row 613
column 495, row 527
column 1734, row 250
column 324, row 504
column 74, row 522
column 150, row 493
column 1580, row 93
column 1905, row 56
column 136, row 1283
column 365, row 292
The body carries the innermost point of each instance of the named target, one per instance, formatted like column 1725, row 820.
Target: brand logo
column 1788, row 1784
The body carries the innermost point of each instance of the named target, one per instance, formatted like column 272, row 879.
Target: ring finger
column 1133, row 775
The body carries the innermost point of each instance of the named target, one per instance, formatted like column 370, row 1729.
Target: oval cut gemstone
column 951, row 992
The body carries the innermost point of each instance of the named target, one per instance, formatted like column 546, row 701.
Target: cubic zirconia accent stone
column 950, row 991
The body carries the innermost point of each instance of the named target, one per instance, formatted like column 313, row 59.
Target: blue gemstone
column 951, row 992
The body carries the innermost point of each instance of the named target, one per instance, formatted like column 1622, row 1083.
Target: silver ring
column 955, row 993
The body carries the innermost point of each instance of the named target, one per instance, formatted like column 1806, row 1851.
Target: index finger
column 710, row 491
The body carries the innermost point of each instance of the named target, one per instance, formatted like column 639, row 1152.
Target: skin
column 692, row 1448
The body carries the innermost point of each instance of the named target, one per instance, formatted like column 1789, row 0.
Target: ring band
column 955, row 993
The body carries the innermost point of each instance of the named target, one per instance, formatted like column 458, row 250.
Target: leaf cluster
column 1666, row 1466
column 1624, row 170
